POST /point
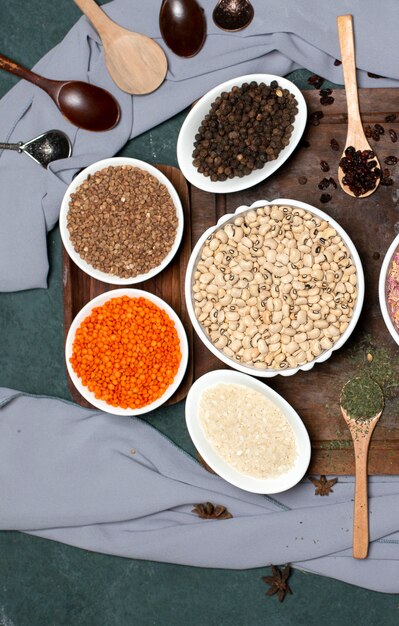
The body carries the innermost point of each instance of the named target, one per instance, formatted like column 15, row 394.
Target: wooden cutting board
column 372, row 224
column 79, row 288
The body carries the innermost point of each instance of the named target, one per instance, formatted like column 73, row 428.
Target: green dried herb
column 362, row 398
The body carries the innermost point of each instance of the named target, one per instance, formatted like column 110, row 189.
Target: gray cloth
column 116, row 485
column 284, row 35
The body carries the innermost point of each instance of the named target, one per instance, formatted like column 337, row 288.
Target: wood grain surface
column 79, row 288
column 372, row 224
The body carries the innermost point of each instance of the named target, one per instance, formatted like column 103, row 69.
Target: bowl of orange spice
column 126, row 351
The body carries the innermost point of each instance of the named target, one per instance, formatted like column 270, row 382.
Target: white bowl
column 85, row 312
column 268, row 373
column 382, row 293
column 185, row 142
column 77, row 259
column 217, row 463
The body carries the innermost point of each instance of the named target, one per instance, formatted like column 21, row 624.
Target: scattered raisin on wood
column 315, row 117
column 368, row 131
column 323, row 184
column 324, row 166
column 326, row 100
column 325, row 197
column 391, row 160
column 334, row 145
column 337, row 62
column 379, row 129
column 305, row 144
column 375, row 135
column 391, row 117
column 373, row 75
column 393, row 135
column 316, row 81
column 302, row 180
column 332, row 182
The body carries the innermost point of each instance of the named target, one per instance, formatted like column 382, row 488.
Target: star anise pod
column 207, row 510
column 323, row 486
column 278, row 582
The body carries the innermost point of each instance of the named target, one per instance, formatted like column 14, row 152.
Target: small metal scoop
column 48, row 147
column 233, row 15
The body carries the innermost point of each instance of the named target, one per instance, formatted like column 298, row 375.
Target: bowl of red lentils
column 121, row 221
column 126, row 352
column 388, row 289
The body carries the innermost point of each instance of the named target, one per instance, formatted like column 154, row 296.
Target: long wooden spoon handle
column 347, row 44
column 14, row 68
column 361, row 513
column 97, row 17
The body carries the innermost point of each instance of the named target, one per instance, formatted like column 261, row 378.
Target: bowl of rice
column 246, row 432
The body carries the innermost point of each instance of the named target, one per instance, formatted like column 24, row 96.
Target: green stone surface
column 43, row 583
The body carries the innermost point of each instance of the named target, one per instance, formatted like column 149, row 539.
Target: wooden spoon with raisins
column 359, row 171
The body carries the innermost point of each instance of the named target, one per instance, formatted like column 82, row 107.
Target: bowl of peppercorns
column 241, row 132
column 121, row 221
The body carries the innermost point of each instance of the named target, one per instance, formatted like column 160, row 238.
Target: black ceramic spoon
column 84, row 105
column 183, row 26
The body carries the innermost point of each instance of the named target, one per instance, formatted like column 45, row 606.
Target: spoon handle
column 97, row 17
column 361, row 441
column 11, row 146
column 346, row 42
column 14, row 68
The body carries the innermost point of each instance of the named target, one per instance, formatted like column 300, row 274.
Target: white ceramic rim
column 85, row 312
column 217, row 463
column 382, row 294
column 324, row 355
column 185, row 141
column 77, row 259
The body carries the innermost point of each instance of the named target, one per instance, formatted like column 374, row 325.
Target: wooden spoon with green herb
column 362, row 403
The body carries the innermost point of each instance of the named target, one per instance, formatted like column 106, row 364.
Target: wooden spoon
column 233, row 15
column 361, row 431
column 136, row 63
column 355, row 135
column 84, row 105
column 183, row 26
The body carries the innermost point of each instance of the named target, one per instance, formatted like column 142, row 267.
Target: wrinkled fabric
column 116, row 485
column 282, row 37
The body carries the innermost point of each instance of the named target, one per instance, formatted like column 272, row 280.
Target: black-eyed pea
column 274, row 347
column 252, row 330
column 308, row 326
column 221, row 342
column 279, row 359
column 274, row 338
column 285, row 340
column 266, row 317
column 331, row 318
column 327, row 297
column 235, row 292
column 202, row 317
column 315, row 347
column 277, row 316
column 254, row 353
column 302, row 316
column 235, row 345
column 300, row 356
column 246, row 342
column 254, row 312
column 275, row 328
column 304, row 249
column 300, row 337
column 252, row 301
column 314, row 314
column 326, row 343
column 262, row 346
column 343, row 326
column 313, row 300
column 331, row 331
column 292, row 362
column 228, row 351
column 197, row 311
column 307, row 260
column 286, row 280
column 292, row 347
column 260, row 365
column 349, row 288
column 314, row 333
column 240, row 303
column 232, row 316
column 219, row 280
column 286, row 322
column 305, row 345
column 221, row 316
column 282, row 257
column 271, row 256
column 247, row 355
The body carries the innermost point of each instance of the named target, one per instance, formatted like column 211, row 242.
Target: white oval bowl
column 185, row 141
column 77, row 259
column 268, row 373
column 382, row 294
column 217, row 463
column 85, row 312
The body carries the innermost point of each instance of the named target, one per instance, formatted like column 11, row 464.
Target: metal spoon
column 50, row 146
column 233, row 14
column 136, row 63
column 183, row 26
column 84, row 105
column 361, row 430
column 355, row 134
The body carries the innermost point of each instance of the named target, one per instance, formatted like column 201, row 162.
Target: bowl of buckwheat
column 240, row 132
column 121, row 221
column 274, row 288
